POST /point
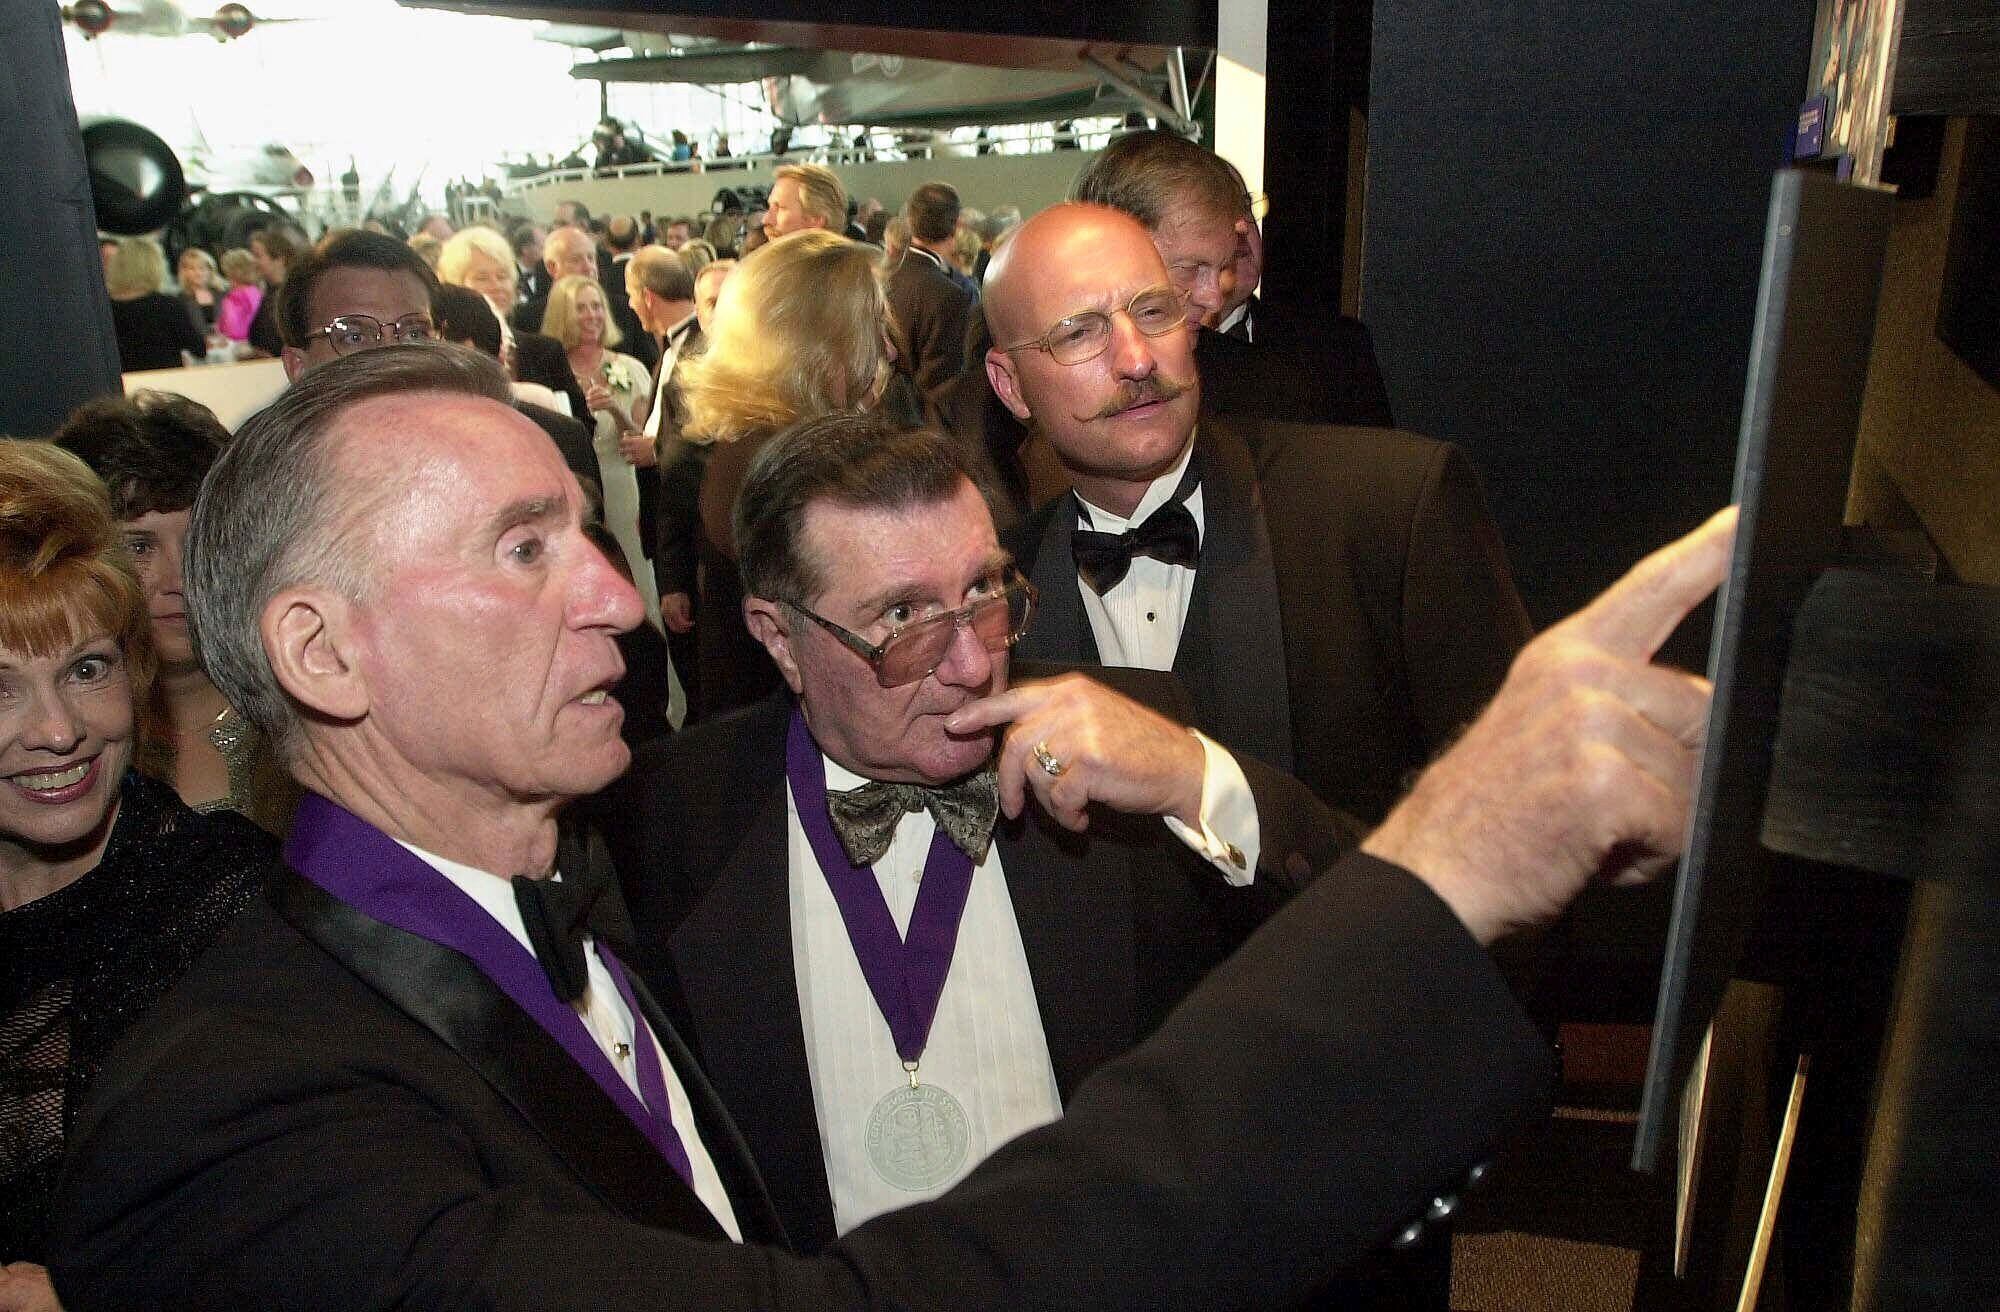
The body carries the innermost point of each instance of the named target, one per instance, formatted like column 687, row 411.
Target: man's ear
column 1006, row 386
column 310, row 639
column 767, row 622
column 295, row 362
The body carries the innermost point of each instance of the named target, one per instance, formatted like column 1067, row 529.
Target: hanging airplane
column 803, row 86
column 270, row 168
column 94, row 18
column 865, row 75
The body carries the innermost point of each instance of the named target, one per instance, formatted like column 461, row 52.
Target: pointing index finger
column 1638, row 612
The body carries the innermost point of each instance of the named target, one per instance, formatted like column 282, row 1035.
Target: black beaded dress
column 79, row 965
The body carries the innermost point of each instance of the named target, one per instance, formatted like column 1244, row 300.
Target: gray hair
column 273, row 514
column 1154, row 175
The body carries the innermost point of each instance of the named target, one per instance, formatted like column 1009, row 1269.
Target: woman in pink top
column 239, row 307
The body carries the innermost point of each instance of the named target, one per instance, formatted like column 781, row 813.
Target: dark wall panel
column 1317, row 63
column 56, row 347
column 1565, row 214
column 1948, row 61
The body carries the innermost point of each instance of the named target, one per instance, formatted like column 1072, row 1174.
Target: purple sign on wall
column 1811, row 136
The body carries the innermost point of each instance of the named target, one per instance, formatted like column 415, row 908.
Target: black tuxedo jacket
column 534, row 285
column 572, row 439
column 662, row 493
column 671, row 504
column 1352, row 608
column 539, row 359
column 328, row 1114
column 931, row 310
column 527, row 316
column 637, row 343
column 1325, row 373
column 1117, row 925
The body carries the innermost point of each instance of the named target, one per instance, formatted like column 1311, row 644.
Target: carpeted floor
column 1563, row 1220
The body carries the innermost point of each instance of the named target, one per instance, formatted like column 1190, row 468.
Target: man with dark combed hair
column 851, row 508
column 931, row 306
column 621, row 243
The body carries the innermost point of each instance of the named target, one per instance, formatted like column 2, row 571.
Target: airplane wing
column 830, row 86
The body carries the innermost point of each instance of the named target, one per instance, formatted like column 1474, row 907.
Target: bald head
column 1119, row 412
column 622, row 233
column 1071, row 237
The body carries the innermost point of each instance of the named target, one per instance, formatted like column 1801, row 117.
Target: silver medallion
column 917, row 1137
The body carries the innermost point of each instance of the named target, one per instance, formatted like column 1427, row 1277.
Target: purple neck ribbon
column 906, row 974
column 358, row 864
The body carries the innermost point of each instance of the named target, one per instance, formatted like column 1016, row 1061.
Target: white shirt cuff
column 1229, row 837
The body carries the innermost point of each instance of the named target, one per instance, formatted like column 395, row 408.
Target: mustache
column 1145, row 391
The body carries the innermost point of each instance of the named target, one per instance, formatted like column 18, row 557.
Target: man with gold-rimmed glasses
column 903, row 935
column 1335, row 600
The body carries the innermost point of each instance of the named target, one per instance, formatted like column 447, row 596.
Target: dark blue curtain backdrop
column 1565, row 221
column 1565, row 216
column 56, row 347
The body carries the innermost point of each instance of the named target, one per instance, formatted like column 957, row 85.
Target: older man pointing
column 421, row 1077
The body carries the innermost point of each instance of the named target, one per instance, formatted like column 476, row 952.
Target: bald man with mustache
column 1337, row 599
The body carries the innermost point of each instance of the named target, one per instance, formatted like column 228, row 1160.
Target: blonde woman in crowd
column 615, row 387
column 697, row 255
column 480, row 260
column 245, row 296
column 801, row 329
column 201, row 290
column 152, row 327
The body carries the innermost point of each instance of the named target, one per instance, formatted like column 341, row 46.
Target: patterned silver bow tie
column 865, row 818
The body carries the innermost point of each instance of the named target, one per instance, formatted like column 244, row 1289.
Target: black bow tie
column 865, row 818
column 1168, row 534
column 558, row 913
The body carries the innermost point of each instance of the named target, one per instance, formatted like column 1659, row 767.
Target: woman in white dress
column 616, row 388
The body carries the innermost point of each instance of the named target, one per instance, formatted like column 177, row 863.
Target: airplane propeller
column 94, row 18
column 91, row 17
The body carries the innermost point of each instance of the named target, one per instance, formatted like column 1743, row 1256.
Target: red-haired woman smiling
column 109, row 886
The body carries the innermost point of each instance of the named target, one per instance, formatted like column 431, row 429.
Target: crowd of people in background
column 576, row 347
column 663, row 350
column 1096, row 395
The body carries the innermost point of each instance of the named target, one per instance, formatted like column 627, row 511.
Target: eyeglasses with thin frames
column 913, row 651
column 359, row 332
column 1084, row 336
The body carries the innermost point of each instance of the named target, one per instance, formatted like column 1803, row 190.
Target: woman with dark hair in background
column 152, row 327
column 109, row 885
column 152, row 450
